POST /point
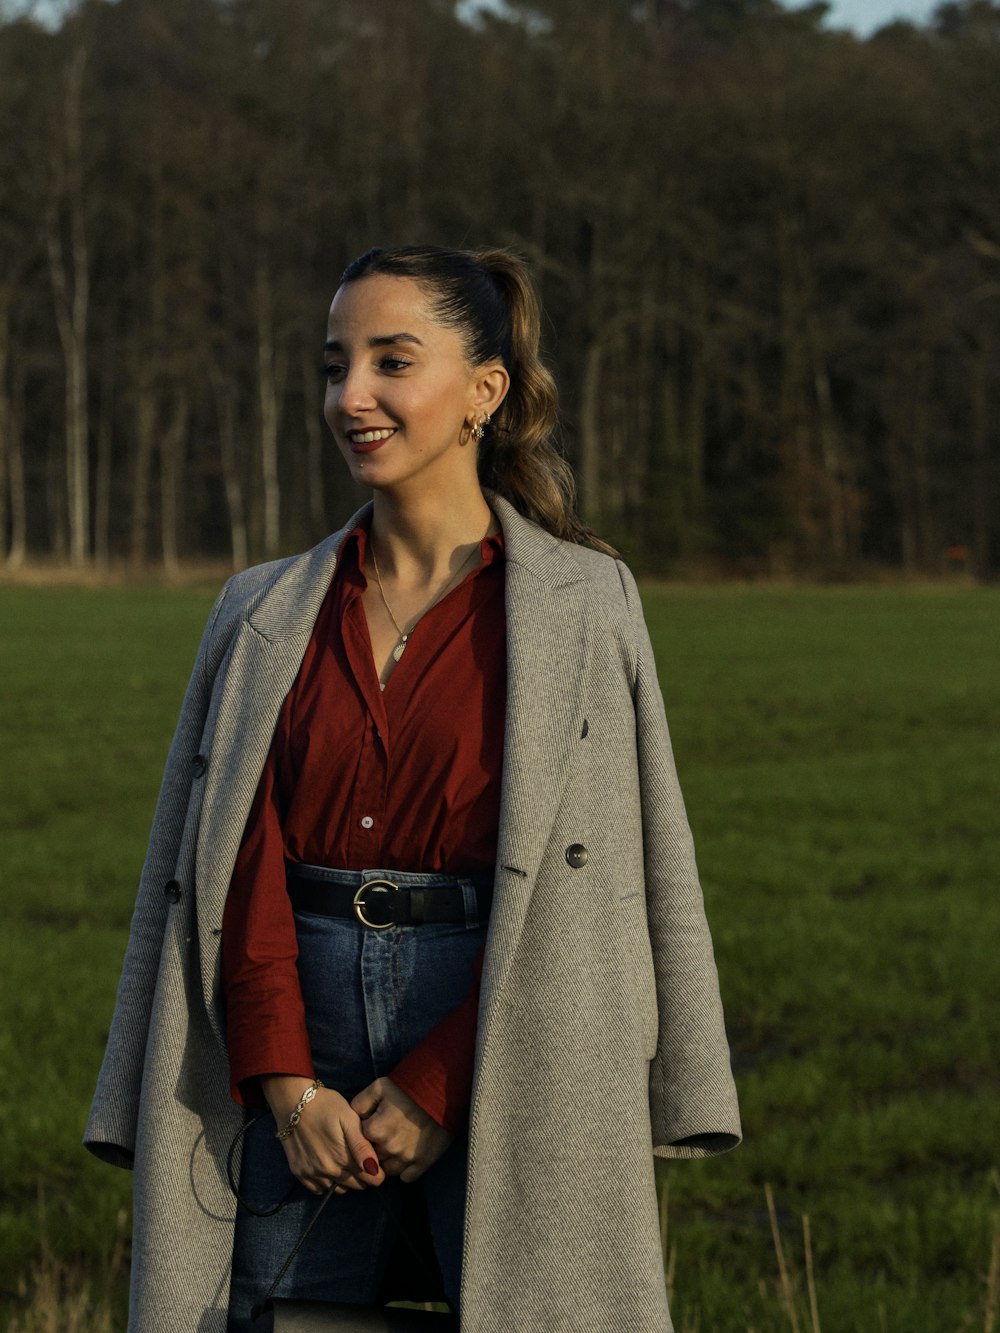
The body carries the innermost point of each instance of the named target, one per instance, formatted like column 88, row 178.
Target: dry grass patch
column 63, row 1296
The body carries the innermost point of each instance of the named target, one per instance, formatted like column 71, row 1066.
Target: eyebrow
column 382, row 340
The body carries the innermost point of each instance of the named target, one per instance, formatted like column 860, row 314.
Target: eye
column 331, row 371
column 392, row 363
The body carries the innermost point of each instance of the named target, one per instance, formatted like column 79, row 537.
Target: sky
column 864, row 16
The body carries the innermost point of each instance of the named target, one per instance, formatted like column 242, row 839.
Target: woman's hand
column 328, row 1146
column 408, row 1141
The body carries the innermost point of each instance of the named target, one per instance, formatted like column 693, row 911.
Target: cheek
column 446, row 409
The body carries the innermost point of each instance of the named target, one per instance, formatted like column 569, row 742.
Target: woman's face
column 399, row 390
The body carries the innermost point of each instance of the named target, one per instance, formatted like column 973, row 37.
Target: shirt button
column 576, row 855
column 367, row 821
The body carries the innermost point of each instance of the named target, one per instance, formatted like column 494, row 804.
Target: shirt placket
column 369, row 793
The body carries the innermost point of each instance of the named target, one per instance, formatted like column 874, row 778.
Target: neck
column 421, row 538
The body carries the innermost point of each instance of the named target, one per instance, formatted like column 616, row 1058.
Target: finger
column 365, row 1102
column 363, row 1154
column 340, row 1184
column 412, row 1172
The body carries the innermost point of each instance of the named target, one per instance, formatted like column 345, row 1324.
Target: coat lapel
column 549, row 635
column 264, row 659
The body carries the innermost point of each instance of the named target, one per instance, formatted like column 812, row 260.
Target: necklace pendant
column 400, row 648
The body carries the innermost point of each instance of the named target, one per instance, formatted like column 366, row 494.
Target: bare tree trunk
column 695, row 417
column 672, row 502
column 829, row 442
column 232, row 482
column 590, row 435
column 832, row 463
column 904, row 414
column 899, row 474
column 640, row 473
column 105, row 439
column 145, row 444
column 71, row 289
column 790, row 422
column 929, row 548
column 270, row 385
column 14, row 503
column 171, row 468
column 983, row 487
column 55, row 500
column 314, row 451
column 5, row 416
column 17, row 551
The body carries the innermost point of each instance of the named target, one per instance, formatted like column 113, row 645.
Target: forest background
column 769, row 253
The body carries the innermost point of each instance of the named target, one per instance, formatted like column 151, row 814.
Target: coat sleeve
column 111, row 1126
column 693, row 1103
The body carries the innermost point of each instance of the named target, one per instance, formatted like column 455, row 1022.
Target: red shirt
column 360, row 778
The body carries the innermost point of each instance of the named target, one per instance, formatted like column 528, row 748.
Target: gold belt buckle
column 380, row 886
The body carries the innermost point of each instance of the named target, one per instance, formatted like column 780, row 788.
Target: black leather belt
column 381, row 902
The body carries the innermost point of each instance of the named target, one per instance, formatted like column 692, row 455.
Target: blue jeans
column 370, row 997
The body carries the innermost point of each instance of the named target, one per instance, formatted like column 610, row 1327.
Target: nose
column 353, row 394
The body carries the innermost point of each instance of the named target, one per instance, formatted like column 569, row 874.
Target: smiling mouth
column 365, row 441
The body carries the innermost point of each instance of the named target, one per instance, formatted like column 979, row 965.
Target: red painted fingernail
column 371, row 1166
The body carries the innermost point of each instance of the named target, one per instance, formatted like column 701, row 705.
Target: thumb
column 367, row 1100
column 364, row 1155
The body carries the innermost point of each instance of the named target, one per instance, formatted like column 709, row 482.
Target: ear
column 489, row 388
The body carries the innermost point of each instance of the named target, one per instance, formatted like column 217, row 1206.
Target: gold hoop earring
column 479, row 429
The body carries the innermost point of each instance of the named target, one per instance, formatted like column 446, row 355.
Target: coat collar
column 548, row 647
column 292, row 604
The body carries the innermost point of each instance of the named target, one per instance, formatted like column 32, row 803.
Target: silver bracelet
column 296, row 1115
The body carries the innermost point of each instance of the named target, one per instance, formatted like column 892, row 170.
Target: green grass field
column 839, row 750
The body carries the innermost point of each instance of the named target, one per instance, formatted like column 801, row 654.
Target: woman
column 459, row 682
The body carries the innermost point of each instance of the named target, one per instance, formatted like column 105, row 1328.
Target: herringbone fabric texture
column 601, row 1038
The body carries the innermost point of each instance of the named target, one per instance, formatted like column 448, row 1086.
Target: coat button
column 576, row 855
column 172, row 891
column 199, row 763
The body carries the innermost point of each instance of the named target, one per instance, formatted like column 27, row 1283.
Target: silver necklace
column 404, row 634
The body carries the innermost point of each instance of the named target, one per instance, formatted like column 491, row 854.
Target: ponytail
column 518, row 457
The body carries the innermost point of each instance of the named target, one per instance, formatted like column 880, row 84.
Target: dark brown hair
column 489, row 298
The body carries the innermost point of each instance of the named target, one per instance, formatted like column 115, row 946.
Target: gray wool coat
column 600, row 1039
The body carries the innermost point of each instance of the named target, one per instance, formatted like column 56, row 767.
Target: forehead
column 379, row 305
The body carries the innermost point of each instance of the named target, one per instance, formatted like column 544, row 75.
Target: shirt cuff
column 437, row 1074
column 246, row 1071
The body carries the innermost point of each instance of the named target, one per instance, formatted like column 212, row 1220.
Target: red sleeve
column 265, row 1016
column 437, row 1074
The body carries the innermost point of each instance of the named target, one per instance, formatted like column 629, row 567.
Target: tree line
column 769, row 255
